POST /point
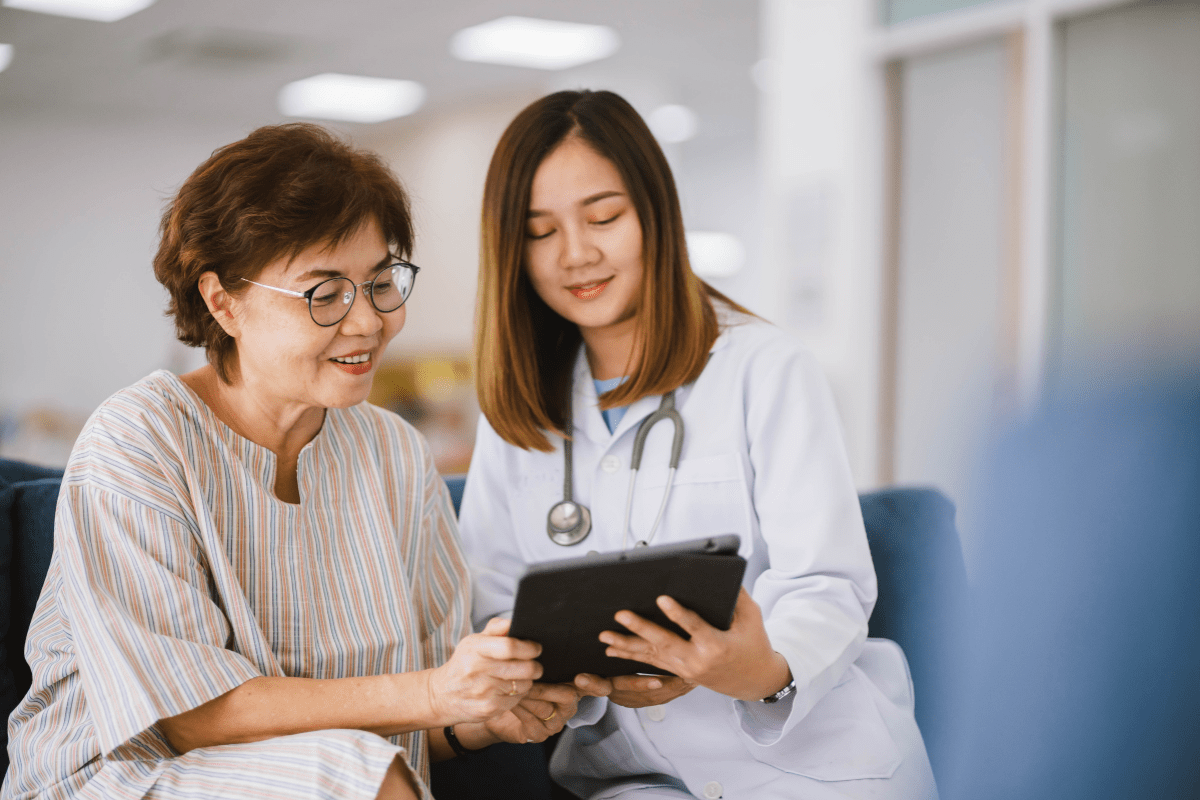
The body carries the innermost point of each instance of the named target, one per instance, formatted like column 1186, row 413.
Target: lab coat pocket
column 842, row 738
column 709, row 497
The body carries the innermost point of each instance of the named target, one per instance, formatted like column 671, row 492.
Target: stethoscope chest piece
column 568, row 523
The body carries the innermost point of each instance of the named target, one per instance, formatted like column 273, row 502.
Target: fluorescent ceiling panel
column 6, row 51
column 99, row 10
column 714, row 254
column 350, row 98
column 537, row 43
column 672, row 124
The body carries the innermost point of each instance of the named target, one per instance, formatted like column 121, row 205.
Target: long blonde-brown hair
column 524, row 351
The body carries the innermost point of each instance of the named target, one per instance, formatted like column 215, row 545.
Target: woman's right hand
column 487, row 675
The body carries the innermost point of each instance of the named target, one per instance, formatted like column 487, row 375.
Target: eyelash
column 613, row 218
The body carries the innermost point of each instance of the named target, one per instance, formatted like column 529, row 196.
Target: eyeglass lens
column 331, row 300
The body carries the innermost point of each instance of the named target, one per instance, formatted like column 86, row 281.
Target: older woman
column 257, row 588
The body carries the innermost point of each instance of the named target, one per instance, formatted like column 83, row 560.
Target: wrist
column 474, row 735
column 775, row 677
column 434, row 713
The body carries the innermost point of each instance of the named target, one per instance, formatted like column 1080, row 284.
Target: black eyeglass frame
column 308, row 295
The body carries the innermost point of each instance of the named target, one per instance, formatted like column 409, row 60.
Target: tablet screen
column 565, row 605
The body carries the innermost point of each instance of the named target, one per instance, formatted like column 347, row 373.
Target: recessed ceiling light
column 99, row 10
column 538, row 43
column 6, row 51
column 672, row 124
column 351, row 98
column 714, row 254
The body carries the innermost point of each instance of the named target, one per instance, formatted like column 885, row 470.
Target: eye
column 613, row 218
column 534, row 235
column 325, row 298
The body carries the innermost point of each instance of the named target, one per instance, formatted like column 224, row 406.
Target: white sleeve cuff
column 763, row 722
column 590, row 710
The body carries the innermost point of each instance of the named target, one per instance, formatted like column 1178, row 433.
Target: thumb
column 496, row 626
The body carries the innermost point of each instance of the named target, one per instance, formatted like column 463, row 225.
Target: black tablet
column 565, row 605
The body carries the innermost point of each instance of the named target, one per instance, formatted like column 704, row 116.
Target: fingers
column 642, row 627
column 497, row 626
column 593, row 685
column 539, row 708
column 685, row 618
column 559, row 693
column 500, row 647
column 538, row 728
column 636, row 683
column 634, row 691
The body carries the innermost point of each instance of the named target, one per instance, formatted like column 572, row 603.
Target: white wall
column 442, row 159
column 819, row 154
column 952, row 263
column 1130, row 182
column 79, row 210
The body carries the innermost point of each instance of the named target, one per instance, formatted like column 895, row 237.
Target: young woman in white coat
column 589, row 314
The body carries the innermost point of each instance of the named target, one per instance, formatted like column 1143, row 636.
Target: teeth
column 359, row 359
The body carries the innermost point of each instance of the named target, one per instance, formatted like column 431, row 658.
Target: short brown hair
column 524, row 351
column 279, row 191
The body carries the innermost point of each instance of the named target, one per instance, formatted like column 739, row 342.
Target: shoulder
column 755, row 344
column 134, row 444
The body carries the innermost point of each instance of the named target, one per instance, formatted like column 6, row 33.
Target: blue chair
column 922, row 588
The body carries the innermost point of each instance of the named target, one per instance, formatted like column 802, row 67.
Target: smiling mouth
column 355, row 364
column 588, row 291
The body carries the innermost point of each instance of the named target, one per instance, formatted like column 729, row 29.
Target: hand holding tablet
column 565, row 605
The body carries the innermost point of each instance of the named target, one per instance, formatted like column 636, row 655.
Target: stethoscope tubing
column 569, row 534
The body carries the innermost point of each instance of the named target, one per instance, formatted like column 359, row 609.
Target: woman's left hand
column 739, row 662
column 542, row 712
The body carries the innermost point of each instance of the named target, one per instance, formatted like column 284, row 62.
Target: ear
column 220, row 303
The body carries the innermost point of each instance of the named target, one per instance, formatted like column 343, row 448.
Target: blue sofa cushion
column 28, row 496
column 922, row 595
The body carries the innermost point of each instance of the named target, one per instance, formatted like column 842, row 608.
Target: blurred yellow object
column 436, row 394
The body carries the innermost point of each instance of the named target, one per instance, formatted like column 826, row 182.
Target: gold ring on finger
column 552, row 715
column 513, row 693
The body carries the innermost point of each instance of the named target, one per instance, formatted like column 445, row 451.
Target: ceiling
column 227, row 59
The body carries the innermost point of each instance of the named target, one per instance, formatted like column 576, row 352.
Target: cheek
column 537, row 273
column 393, row 323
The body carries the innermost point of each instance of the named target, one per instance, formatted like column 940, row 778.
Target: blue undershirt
column 612, row 417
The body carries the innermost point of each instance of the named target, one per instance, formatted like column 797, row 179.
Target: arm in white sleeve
column 819, row 588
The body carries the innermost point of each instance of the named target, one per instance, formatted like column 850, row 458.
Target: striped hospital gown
column 177, row 575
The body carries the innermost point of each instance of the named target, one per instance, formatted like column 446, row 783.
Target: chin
column 347, row 397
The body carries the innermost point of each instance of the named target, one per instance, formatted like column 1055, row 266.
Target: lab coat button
column 656, row 713
column 713, row 790
column 610, row 464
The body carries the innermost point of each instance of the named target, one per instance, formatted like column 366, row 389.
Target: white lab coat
column 762, row 458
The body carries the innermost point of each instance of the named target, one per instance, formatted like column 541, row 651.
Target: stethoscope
column 570, row 523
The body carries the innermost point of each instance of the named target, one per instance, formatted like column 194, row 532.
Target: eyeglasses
column 329, row 301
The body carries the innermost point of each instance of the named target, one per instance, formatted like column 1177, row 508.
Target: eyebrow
column 333, row 273
column 587, row 201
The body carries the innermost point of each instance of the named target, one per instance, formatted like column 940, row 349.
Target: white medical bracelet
column 782, row 693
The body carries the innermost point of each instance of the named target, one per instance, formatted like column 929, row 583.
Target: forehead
column 361, row 250
column 572, row 172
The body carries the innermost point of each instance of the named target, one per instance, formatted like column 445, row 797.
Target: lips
column 354, row 363
column 589, row 291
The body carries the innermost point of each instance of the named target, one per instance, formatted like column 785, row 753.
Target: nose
column 364, row 319
column 578, row 249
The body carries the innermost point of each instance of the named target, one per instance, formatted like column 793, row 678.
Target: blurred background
column 950, row 201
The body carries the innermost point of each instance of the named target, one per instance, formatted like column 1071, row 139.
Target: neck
column 611, row 350
column 283, row 427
